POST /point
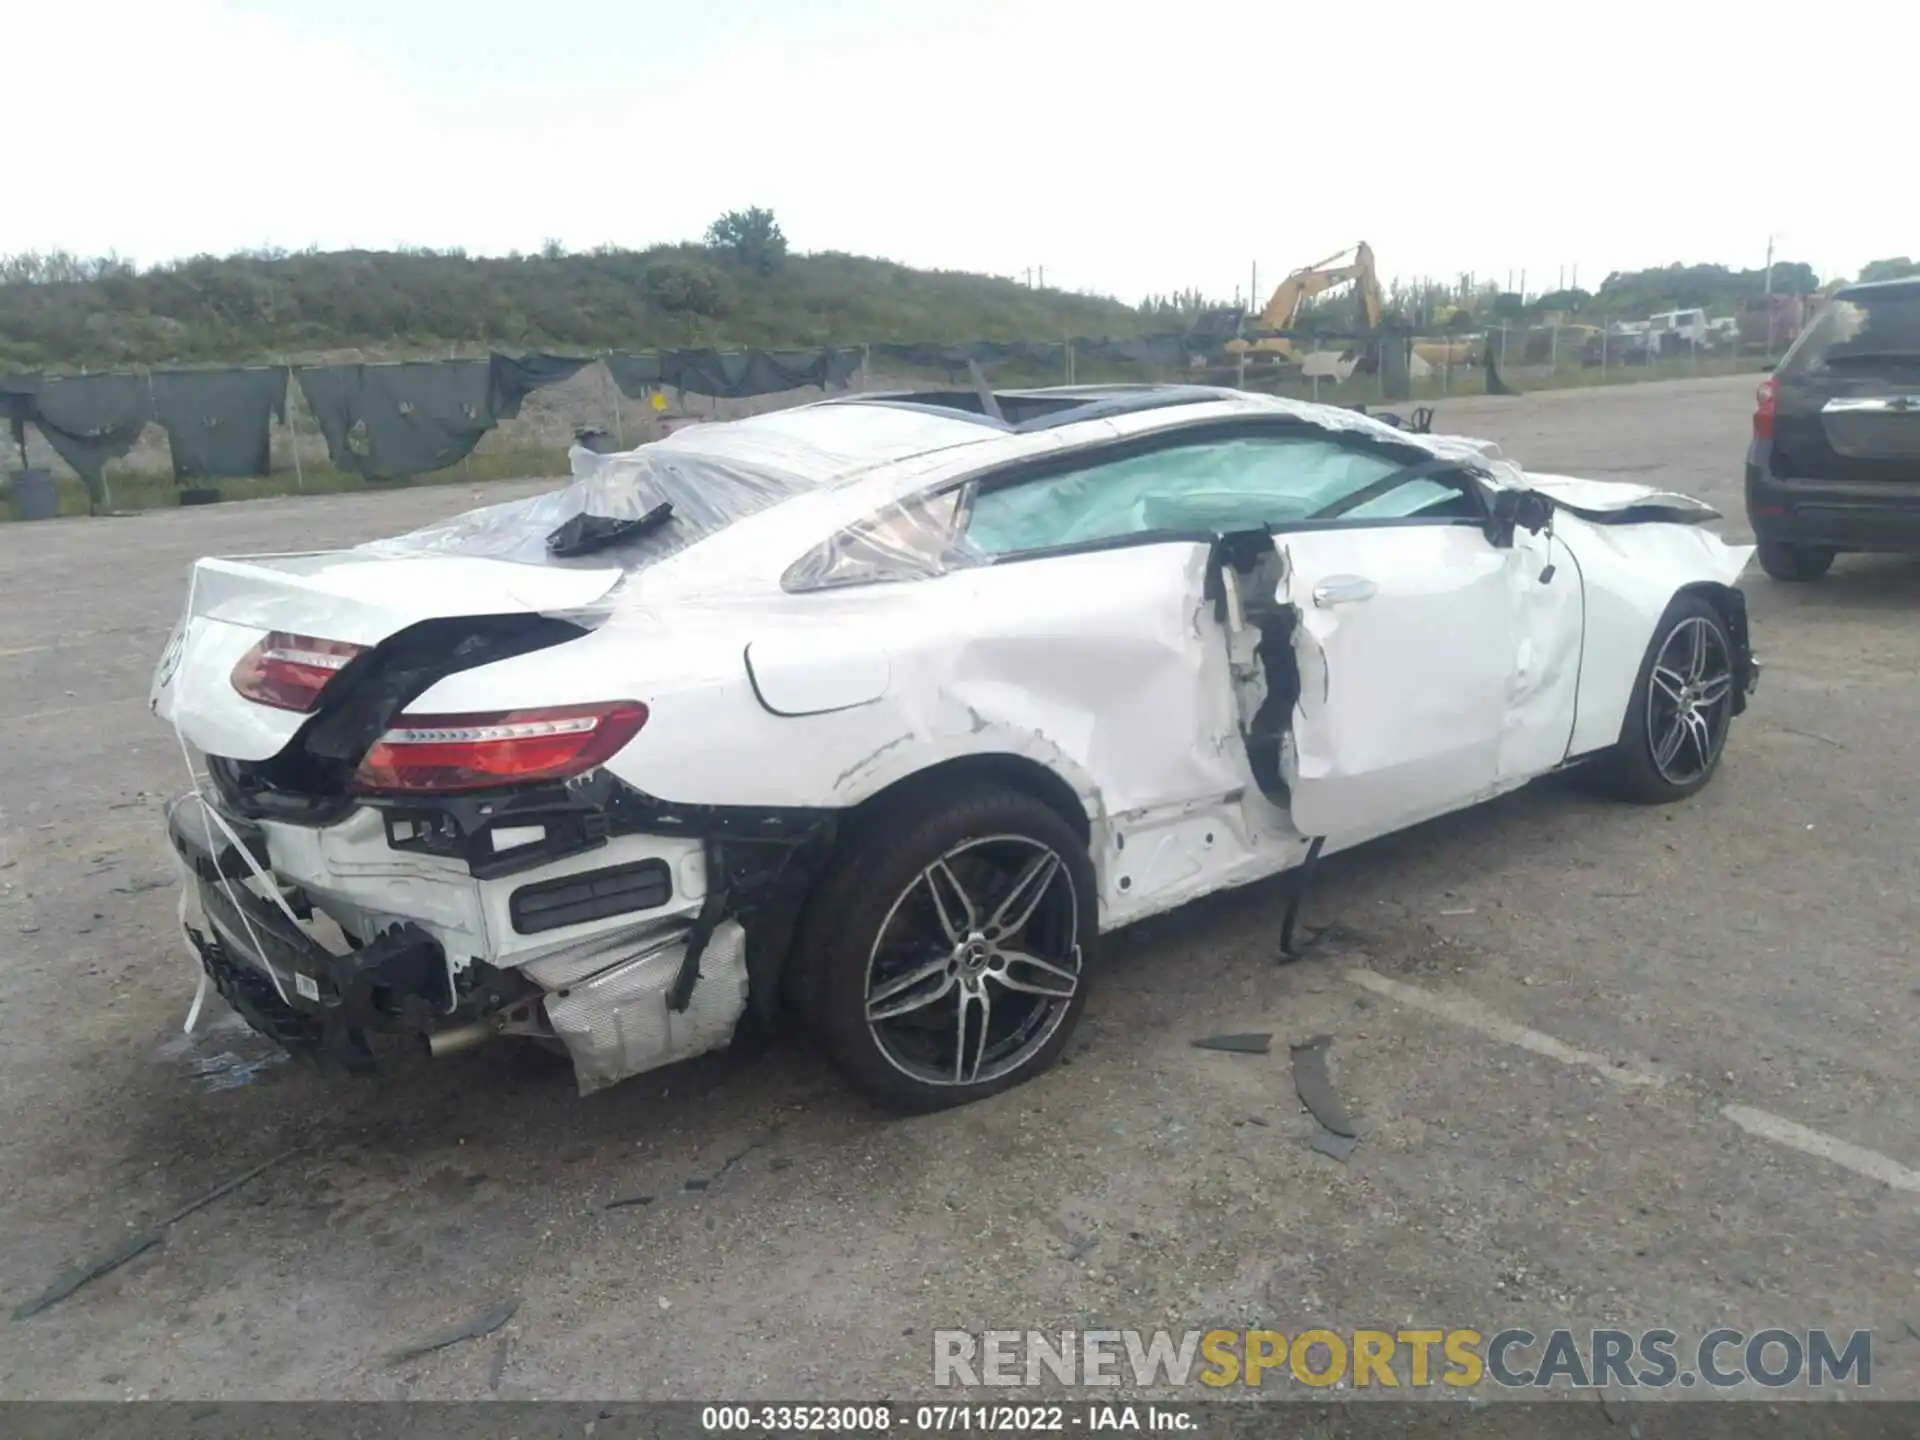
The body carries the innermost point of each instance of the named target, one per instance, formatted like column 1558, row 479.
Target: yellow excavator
column 1284, row 306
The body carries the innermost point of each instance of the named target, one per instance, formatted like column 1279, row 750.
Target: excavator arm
column 1283, row 308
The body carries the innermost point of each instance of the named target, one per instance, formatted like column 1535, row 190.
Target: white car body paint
column 1437, row 668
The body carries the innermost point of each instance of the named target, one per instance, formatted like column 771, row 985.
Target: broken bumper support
column 287, row 985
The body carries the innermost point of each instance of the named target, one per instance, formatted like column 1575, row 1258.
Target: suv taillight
column 442, row 753
column 288, row 672
column 1763, row 407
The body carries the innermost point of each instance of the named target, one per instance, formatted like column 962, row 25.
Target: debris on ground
column 706, row 1182
column 1315, row 1087
column 141, row 1243
column 81, row 1274
column 1253, row 1044
column 499, row 1366
column 1337, row 1147
column 477, row 1328
column 626, row 1201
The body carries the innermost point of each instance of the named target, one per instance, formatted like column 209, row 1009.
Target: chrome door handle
column 1344, row 590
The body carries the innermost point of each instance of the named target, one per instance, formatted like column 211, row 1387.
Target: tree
column 752, row 235
column 679, row 287
column 1898, row 268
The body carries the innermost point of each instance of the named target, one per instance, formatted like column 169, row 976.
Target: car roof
column 1905, row 288
column 1025, row 410
column 846, row 435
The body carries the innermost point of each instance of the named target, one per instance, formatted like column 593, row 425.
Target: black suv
column 1835, row 459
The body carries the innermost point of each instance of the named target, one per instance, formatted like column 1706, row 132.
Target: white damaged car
column 877, row 712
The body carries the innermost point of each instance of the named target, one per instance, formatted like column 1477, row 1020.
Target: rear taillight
column 439, row 753
column 1763, row 405
column 288, row 672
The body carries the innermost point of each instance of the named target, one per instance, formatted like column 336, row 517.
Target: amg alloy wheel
column 943, row 957
column 1681, row 709
column 976, row 963
column 1689, row 701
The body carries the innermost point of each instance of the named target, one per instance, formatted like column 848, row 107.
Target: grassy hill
column 58, row 313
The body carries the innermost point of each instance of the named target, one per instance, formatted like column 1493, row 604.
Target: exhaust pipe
column 443, row 1043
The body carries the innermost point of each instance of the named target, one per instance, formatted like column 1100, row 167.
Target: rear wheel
column 1794, row 562
column 942, row 955
column 1682, row 707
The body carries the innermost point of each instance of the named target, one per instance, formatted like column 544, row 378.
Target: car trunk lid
column 345, row 597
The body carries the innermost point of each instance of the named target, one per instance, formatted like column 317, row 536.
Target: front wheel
column 943, row 956
column 1794, row 562
column 1681, row 708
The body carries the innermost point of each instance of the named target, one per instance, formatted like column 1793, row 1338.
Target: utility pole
column 1043, row 277
column 1769, row 299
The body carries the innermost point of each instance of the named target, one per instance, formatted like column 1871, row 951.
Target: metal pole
column 613, row 391
column 293, row 431
column 1769, row 297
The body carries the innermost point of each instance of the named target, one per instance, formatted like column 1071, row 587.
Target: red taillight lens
column 440, row 753
column 1763, row 405
column 288, row 672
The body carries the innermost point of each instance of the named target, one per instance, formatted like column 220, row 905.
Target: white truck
column 1674, row 332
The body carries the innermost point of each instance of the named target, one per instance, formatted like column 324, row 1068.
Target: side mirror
column 1535, row 512
column 1768, row 368
column 1522, row 509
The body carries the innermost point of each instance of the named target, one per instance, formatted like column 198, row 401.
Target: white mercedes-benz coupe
column 876, row 712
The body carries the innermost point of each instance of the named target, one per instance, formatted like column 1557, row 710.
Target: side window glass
column 1219, row 486
column 902, row 542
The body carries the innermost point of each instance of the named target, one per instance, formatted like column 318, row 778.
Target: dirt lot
column 1754, row 947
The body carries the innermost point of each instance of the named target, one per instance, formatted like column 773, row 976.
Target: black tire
column 1793, row 563
column 1633, row 770
column 877, row 883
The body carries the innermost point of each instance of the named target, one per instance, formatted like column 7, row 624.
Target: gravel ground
column 1753, row 947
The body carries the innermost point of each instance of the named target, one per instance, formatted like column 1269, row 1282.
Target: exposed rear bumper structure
column 635, row 993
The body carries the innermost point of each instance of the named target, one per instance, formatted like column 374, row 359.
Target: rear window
column 630, row 510
column 1864, row 328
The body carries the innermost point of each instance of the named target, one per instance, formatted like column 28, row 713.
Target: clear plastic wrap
column 630, row 509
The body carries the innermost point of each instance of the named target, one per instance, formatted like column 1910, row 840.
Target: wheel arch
column 1018, row 773
column 1015, row 772
column 1730, row 603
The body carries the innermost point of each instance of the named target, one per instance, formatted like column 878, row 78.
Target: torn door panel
column 1404, row 652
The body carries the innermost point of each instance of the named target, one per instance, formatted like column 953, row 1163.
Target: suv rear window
column 1862, row 327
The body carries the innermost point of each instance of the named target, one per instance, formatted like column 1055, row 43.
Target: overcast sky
column 1129, row 147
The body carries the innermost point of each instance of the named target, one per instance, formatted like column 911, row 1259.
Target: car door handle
column 1343, row 590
